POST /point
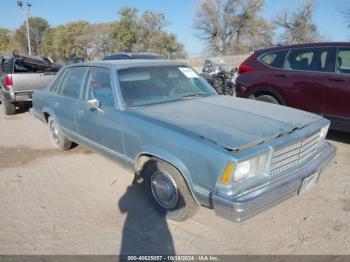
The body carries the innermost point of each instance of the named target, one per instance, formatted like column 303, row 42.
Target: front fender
column 171, row 159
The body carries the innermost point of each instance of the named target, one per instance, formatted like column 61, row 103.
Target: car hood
column 233, row 123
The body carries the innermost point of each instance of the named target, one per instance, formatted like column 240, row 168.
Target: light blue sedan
column 188, row 145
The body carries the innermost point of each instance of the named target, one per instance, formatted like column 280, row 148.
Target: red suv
column 312, row 77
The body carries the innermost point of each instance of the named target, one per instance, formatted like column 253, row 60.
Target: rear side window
column 311, row 59
column 72, row 82
column 56, row 84
column 343, row 61
column 274, row 59
column 25, row 67
column 8, row 67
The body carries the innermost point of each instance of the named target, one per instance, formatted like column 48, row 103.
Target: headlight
column 323, row 132
column 243, row 170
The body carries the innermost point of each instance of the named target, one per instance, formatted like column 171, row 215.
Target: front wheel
column 168, row 190
column 58, row 139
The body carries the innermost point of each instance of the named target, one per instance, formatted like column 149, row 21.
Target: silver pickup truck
column 20, row 76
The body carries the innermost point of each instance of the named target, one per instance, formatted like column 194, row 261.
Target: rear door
column 68, row 96
column 101, row 127
column 337, row 106
column 304, row 80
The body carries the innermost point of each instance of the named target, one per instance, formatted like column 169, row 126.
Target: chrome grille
column 288, row 156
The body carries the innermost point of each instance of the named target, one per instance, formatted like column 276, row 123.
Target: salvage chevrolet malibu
column 188, row 145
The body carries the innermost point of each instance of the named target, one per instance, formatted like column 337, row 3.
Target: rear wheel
column 268, row 99
column 168, row 190
column 58, row 139
column 7, row 107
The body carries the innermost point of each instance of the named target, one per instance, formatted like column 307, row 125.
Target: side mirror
column 93, row 104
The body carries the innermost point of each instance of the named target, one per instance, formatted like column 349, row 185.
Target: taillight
column 8, row 81
column 244, row 69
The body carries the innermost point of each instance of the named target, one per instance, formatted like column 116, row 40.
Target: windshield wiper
column 194, row 95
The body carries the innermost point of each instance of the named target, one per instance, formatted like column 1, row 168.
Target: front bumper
column 247, row 205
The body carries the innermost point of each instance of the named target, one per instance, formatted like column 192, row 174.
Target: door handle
column 336, row 79
column 281, row 75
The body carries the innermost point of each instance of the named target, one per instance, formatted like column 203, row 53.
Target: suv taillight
column 244, row 69
column 9, row 81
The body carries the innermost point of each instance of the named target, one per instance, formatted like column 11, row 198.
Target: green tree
column 145, row 33
column 100, row 41
column 46, row 47
column 125, row 30
column 5, row 38
column 153, row 38
column 37, row 28
column 70, row 40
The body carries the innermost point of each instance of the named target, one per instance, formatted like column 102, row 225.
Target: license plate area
column 309, row 182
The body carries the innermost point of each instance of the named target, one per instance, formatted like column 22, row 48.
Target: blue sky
column 180, row 14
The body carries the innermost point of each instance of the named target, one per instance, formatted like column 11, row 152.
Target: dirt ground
column 77, row 202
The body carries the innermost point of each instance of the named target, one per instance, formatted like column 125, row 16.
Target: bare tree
column 232, row 25
column 252, row 31
column 298, row 26
column 216, row 23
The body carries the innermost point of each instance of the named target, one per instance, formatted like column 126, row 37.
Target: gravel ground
column 77, row 202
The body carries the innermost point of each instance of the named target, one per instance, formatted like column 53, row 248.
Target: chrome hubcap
column 164, row 190
column 55, row 133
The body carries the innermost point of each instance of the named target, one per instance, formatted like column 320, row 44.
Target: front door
column 101, row 127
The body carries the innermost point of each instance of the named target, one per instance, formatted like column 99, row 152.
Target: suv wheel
column 268, row 99
column 168, row 191
column 58, row 139
column 7, row 107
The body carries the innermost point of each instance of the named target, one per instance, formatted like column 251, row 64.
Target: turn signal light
column 226, row 177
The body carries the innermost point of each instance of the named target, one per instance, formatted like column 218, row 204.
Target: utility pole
column 26, row 8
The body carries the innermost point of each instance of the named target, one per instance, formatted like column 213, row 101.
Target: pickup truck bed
column 20, row 77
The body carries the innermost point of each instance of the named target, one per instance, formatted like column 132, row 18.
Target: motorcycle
column 219, row 78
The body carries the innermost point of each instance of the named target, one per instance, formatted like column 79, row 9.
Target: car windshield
column 159, row 84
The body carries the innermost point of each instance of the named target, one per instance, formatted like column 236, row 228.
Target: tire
column 268, row 99
column 7, row 107
column 180, row 204
column 58, row 139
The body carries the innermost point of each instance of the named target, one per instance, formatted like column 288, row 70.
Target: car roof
column 125, row 55
column 127, row 63
column 318, row 44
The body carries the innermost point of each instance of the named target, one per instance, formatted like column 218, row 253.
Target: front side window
column 160, row 84
column 343, row 61
column 99, row 86
column 310, row 59
column 72, row 82
column 274, row 59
